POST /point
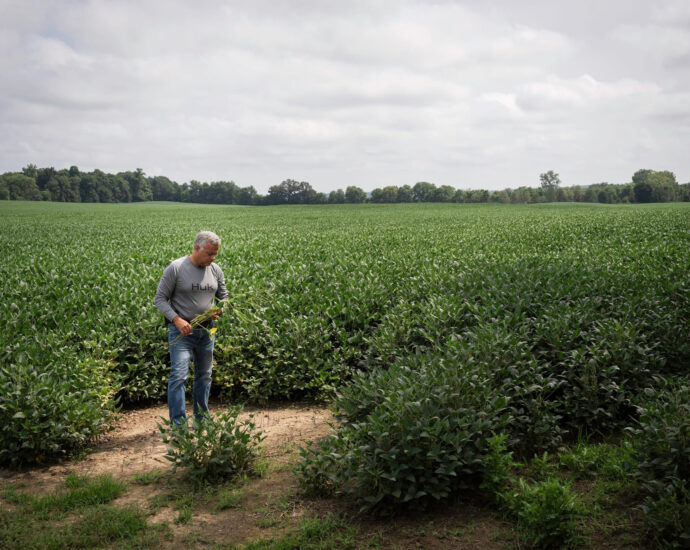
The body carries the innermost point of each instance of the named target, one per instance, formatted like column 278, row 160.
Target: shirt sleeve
column 164, row 293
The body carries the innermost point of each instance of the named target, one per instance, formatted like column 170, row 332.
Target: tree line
column 73, row 185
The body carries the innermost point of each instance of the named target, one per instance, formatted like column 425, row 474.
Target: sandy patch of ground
column 134, row 446
column 268, row 506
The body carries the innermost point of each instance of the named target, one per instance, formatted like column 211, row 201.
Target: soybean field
column 320, row 293
column 444, row 335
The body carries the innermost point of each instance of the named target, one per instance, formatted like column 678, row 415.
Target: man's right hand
column 183, row 326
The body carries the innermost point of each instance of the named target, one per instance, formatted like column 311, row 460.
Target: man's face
column 205, row 255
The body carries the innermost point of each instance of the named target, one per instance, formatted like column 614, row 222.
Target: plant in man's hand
column 199, row 321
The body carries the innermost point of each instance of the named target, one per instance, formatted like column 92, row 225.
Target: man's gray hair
column 204, row 237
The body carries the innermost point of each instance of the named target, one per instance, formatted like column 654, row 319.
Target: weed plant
column 547, row 513
column 214, row 447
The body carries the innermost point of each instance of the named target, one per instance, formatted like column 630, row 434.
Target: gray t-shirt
column 187, row 290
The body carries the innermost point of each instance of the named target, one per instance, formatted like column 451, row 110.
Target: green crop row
column 566, row 311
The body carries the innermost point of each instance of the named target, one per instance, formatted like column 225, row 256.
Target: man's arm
column 164, row 293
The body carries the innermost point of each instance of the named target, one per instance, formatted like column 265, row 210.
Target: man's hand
column 219, row 312
column 183, row 326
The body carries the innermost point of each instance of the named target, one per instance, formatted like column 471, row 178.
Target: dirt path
column 268, row 506
column 135, row 446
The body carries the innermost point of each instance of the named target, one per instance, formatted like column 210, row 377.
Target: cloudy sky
column 467, row 93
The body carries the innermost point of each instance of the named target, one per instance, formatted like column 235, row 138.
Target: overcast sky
column 472, row 94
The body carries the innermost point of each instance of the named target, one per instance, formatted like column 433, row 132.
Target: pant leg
column 180, row 355
column 203, row 367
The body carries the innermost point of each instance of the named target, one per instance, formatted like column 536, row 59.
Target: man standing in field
column 188, row 288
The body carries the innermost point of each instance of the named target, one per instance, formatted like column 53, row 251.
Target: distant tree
column 30, row 170
column 664, row 186
column 104, row 186
column 423, row 191
column 460, row 196
column 60, row 188
column 222, row 192
column 405, row 194
column 376, row 195
column 641, row 176
column 43, row 176
column 316, row 197
column 652, row 186
column 354, row 194
column 336, row 197
column 591, row 194
column 564, row 194
column 521, row 195
column 445, row 193
column 502, row 196
column 577, row 192
column 549, row 179
column 550, row 182
column 163, row 189
column 21, row 187
column 88, row 188
column 248, row 196
column 290, row 192
column 389, row 194
column 607, row 194
column 140, row 187
column 477, row 195
column 626, row 193
column 684, row 192
column 192, row 192
column 122, row 191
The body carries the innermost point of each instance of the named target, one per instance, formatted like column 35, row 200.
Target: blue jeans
column 197, row 347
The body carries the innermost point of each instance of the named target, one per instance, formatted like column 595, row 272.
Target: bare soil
column 271, row 505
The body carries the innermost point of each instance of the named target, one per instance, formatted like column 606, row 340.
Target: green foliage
column 424, row 434
column 53, row 408
column 230, row 498
column 498, row 462
column 148, row 478
column 570, row 311
column 99, row 527
column 106, row 525
column 313, row 533
column 549, row 180
column 215, row 447
column 661, row 443
column 81, row 492
column 79, row 515
column 653, row 186
column 610, row 461
column 546, row 512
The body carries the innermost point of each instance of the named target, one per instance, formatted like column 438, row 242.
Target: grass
column 608, row 495
column 316, row 533
column 274, row 511
column 605, row 459
column 84, row 505
column 230, row 498
column 81, row 492
column 148, row 478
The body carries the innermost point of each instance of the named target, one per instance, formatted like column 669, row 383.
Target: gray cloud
column 461, row 93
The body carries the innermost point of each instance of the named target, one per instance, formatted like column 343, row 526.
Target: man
column 188, row 288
